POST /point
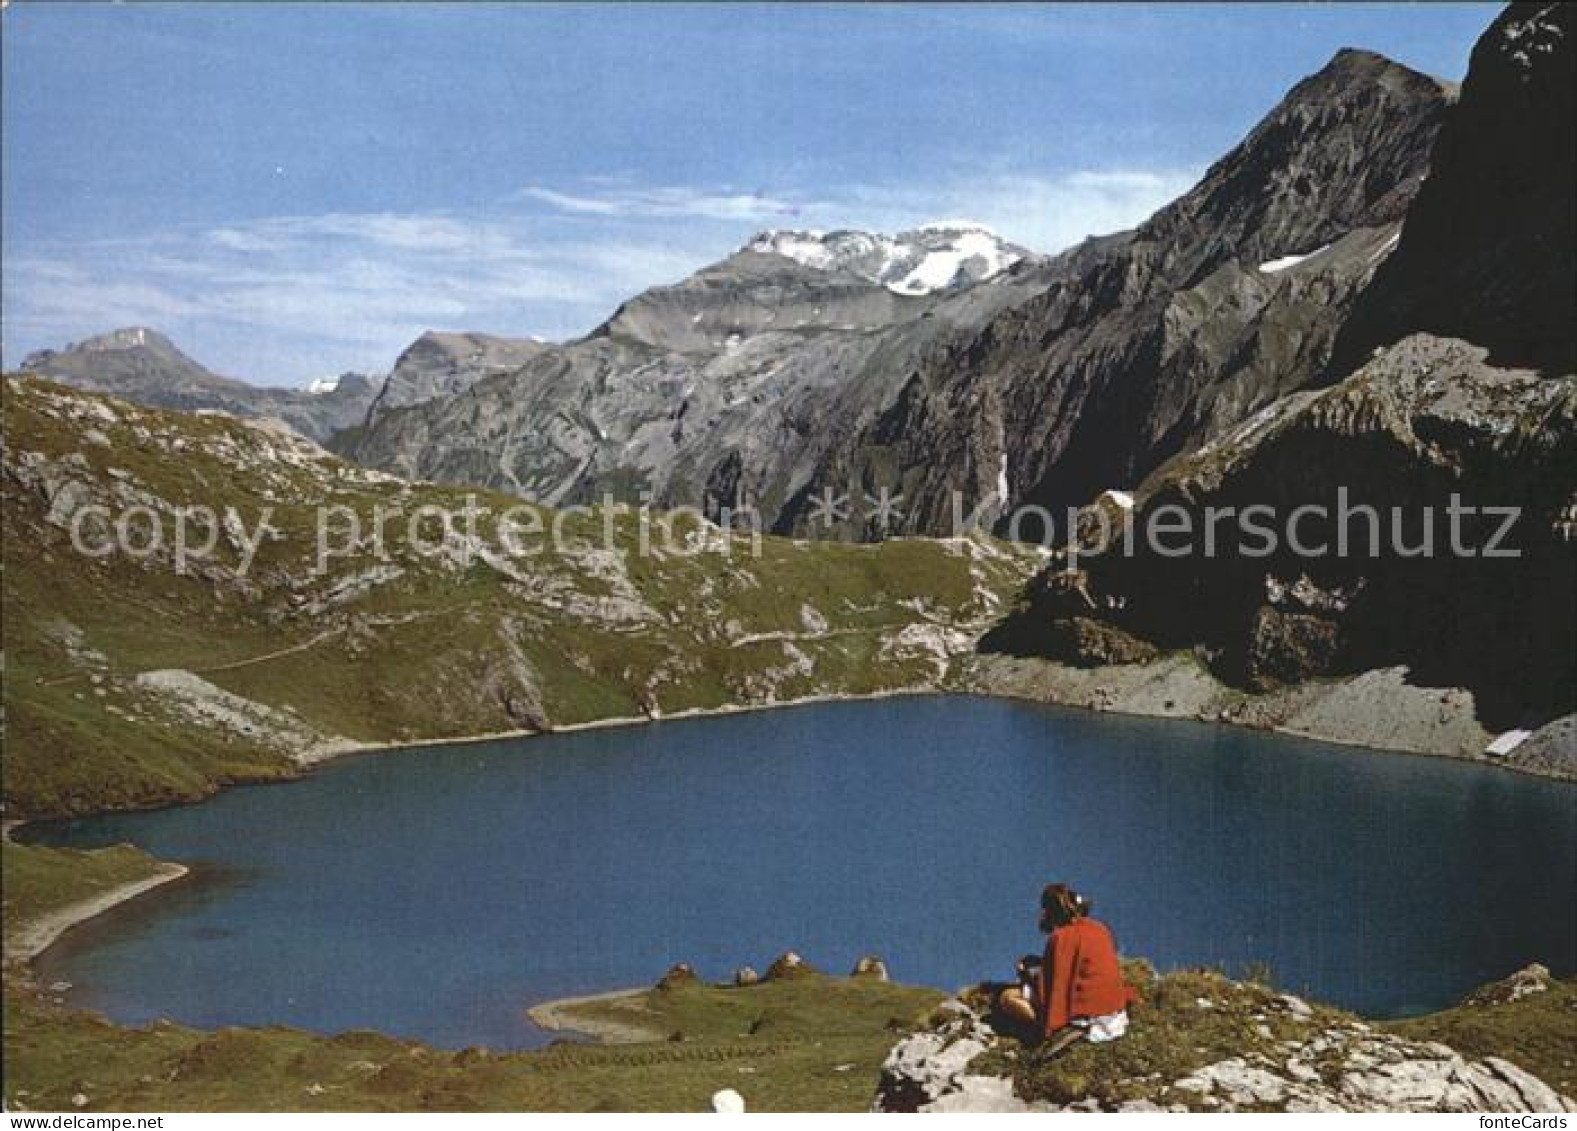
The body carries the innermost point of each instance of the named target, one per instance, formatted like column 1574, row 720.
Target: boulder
column 870, row 967
column 931, row 1071
column 789, row 965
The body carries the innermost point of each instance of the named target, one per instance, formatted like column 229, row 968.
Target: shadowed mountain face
column 144, row 366
column 1175, row 331
column 1487, row 251
column 1433, row 419
column 944, row 360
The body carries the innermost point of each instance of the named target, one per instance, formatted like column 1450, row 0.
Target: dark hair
column 1060, row 905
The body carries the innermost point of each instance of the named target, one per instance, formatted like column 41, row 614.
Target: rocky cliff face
column 1428, row 423
column 729, row 386
column 441, row 364
column 1487, row 251
column 1160, row 339
column 1425, row 427
column 145, row 367
column 943, row 359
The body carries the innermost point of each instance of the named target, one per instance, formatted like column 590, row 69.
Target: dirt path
column 274, row 655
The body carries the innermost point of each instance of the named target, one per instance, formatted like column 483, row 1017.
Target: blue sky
column 298, row 190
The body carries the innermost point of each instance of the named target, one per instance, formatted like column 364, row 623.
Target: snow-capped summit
column 934, row 256
column 321, row 385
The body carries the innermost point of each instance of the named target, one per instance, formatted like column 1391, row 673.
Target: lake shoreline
column 342, row 749
column 336, row 750
column 559, row 1016
column 48, row 929
column 339, row 748
column 34, row 938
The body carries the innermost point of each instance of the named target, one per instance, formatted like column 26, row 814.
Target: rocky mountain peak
column 464, row 346
column 929, row 258
column 119, row 353
column 144, row 366
column 343, row 384
column 1346, row 148
column 130, row 337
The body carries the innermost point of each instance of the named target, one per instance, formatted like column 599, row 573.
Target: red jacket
column 1080, row 976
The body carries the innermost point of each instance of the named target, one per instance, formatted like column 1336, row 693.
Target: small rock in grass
column 870, row 967
column 679, row 974
column 789, row 965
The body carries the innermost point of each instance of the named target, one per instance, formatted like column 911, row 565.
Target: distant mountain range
column 142, row 365
column 940, row 360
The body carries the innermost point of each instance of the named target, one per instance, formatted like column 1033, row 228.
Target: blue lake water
column 435, row 893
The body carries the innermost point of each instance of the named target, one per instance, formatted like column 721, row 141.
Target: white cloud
column 672, row 202
column 360, row 287
column 284, row 298
column 1044, row 213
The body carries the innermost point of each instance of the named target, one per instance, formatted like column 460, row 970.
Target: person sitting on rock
column 1076, row 990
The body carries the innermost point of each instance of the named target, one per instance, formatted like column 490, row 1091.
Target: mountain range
column 806, row 365
column 144, row 366
column 1371, row 291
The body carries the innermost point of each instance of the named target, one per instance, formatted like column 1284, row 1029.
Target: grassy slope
column 442, row 649
column 810, row 1044
column 1537, row 1032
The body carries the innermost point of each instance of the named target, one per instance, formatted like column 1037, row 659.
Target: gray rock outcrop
column 441, row 364
column 1337, row 1065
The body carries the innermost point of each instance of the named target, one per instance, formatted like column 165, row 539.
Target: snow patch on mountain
column 932, row 257
column 1272, row 266
column 318, row 386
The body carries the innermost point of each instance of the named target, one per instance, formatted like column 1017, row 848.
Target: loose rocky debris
column 203, row 704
